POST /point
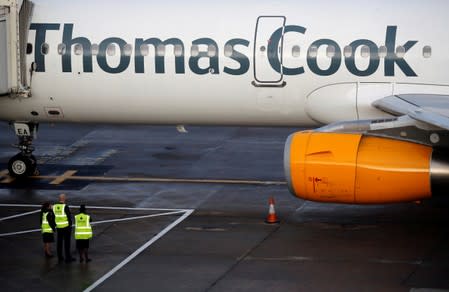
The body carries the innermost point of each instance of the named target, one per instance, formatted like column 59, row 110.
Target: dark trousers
column 64, row 235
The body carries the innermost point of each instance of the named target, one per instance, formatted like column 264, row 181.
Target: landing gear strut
column 24, row 163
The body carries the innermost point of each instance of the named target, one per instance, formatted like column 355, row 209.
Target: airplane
column 370, row 77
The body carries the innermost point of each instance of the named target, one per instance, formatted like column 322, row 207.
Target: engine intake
column 354, row 168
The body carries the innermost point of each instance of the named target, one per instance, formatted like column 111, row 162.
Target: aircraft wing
column 431, row 109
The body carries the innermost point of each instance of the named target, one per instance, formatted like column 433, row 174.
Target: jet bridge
column 3, row 55
column 15, row 17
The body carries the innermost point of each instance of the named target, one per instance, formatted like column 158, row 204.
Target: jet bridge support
column 15, row 17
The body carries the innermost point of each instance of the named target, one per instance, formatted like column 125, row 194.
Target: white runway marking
column 19, row 232
column 97, row 222
column 20, row 205
column 138, row 251
column 96, row 207
column 139, row 217
column 169, row 212
column 185, row 213
column 19, row 215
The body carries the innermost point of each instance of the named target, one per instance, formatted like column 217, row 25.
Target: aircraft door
column 3, row 58
column 268, row 51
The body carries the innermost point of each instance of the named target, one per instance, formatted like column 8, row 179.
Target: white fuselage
column 214, row 71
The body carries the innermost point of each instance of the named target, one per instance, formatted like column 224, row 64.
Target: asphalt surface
column 185, row 212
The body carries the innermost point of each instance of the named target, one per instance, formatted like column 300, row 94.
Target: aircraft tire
column 21, row 166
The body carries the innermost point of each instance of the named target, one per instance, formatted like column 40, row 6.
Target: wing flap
column 431, row 109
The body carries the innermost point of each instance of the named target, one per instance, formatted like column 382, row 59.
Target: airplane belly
column 156, row 100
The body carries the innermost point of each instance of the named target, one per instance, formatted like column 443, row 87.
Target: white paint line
column 19, row 215
column 101, row 222
column 130, row 208
column 138, row 217
column 19, row 205
column 138, row 251
column 97, row 207
column 301, row 207
column 19, row 232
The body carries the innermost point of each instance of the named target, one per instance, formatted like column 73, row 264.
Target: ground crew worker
column 63, row 221
column 48, row 227
column 83, row 232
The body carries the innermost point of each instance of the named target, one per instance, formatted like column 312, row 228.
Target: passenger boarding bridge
column 15, row 17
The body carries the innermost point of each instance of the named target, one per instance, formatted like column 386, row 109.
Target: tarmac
column 185, row 212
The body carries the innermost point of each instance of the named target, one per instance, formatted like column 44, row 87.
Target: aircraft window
column 29, row 48
column 144, row 50
column 347, row 51
column 228, row 50
column 382, row 51
column 95, row 49
column 427, row 52
column 160, row 50
column 365, row 52
column 211, row 51
column 110, row 50
column 61, row 49
column 330, row 51
column 296, row 50
column 178, row 50
column 45, row 48
column 263, row 49
column 78, row 49
column 194, row 51
column 127, row 50
column 313, row 51
column 400, row 51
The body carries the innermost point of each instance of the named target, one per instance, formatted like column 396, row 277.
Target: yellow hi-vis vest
column 46, row 228
column 83, row 230
column 60, row 215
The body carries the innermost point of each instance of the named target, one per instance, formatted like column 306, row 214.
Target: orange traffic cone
column 271, row 218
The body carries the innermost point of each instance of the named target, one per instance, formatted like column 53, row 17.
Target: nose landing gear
column 24, row 163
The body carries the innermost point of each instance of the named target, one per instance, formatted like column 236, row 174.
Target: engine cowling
column 354, row 168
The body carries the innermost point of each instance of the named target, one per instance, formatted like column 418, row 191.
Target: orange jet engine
column 359, row 169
